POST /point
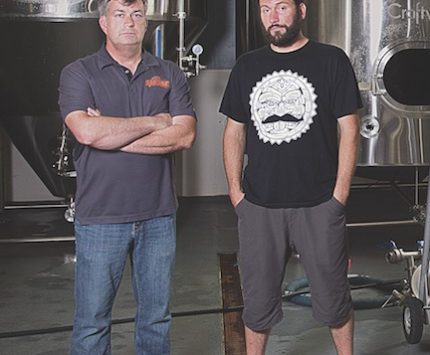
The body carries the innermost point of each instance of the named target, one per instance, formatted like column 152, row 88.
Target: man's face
column 282, row 21
column 124, row 24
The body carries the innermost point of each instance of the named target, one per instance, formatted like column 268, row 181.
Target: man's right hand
column 236, row 197
column 93, row 112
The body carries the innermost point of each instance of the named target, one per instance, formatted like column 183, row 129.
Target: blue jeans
column 101, row 255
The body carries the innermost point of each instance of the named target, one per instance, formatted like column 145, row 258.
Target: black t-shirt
column 290, row 103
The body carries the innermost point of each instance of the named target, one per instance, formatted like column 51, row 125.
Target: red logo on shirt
column 157, row 81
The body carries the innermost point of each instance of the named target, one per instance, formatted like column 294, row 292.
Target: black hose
column 68, row 328
column 294, row 291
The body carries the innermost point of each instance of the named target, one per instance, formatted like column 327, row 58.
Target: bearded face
column 282, row 35
column 282, row 21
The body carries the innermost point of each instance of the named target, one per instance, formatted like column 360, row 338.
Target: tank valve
column 396, row 255
column 369, row 127
column 191, row 63
column 69, row 214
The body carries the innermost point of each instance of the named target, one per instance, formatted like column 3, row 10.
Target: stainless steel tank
column 159, row 12
column 38, row 38
column 388, row 42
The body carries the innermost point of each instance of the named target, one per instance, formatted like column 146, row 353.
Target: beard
column 289, row 36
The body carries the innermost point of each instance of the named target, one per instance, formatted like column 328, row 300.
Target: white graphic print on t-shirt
column 283, row 105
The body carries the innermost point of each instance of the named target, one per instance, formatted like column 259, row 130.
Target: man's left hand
column 93, row 112
column 341, row 197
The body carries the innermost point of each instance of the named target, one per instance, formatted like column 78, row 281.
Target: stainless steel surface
column 372, row 33
column 165, row 10
column 169, row 13
column 157, row 10
column 36, row 137
column 47, row 8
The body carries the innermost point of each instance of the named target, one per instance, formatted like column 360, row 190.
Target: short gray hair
column 102, row 5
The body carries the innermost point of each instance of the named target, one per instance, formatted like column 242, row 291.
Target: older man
column 128, row 111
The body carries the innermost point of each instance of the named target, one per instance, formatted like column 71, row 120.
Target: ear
column 102, row 24
column 303, row 9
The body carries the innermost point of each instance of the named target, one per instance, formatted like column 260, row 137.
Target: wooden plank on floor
column 234, row 333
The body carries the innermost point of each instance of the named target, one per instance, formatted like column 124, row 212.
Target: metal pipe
column 160, row 41
column 26, row 207
column 36, row 240
column 382, row 223
column 417, row 181
column 386, row 185
column 348, row 26
column 181, row 16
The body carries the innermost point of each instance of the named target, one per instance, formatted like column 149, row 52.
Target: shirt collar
column 104, row 59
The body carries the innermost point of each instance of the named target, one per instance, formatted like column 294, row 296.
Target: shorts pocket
column 239, row 206
column 337, row 203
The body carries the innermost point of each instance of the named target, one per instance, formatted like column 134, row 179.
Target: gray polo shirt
column 115, row 186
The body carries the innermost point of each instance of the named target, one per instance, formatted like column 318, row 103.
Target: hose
column 295, row 292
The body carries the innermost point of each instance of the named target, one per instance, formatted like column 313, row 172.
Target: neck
column 128, row 56
column 300, row 42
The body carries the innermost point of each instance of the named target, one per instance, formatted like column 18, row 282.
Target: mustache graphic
column 285, row 118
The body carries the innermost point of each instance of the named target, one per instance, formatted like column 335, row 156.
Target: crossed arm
column 159, row 134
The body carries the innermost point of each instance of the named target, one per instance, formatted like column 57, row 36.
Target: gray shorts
column 266, row 237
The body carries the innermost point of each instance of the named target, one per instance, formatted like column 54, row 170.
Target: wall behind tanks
column 201, row 170
column 202, row 166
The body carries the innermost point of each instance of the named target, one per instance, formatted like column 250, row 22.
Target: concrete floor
column 36, row 280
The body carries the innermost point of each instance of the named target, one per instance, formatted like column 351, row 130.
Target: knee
column 334, row 315
column 349, row 317
column 260, row 317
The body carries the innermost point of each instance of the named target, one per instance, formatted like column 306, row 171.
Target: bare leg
column 256, row 341
column 343, row 337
